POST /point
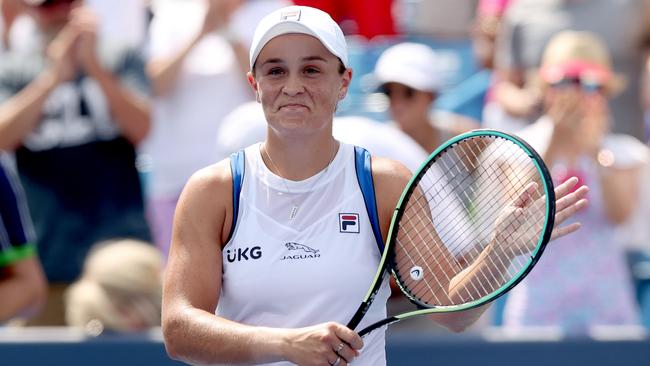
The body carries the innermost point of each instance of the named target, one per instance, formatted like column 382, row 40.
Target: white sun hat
column 304, row 20
column 412, row 64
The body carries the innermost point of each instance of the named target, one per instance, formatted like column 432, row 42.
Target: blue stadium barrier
column 33, row 347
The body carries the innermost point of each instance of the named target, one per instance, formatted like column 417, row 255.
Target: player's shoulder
column 385, row 168
column 211, row 181
column 390, row 176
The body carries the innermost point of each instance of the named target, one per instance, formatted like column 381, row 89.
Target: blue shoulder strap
column 237, row 167
column 362, row 164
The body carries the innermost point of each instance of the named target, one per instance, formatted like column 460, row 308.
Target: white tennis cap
column 304, row 20
column 412, row 64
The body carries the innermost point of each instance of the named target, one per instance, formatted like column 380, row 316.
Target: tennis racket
column 469, row 226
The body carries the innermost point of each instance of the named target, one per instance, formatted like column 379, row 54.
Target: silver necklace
column 295, row 207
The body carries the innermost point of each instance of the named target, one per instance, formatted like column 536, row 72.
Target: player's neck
column 299, row 159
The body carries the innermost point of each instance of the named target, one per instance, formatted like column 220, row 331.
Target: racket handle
column 358, row 315
column 363, row 332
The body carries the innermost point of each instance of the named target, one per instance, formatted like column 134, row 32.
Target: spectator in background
column 246, row 125
column 9, row 11
column 23, row 287
column 409, row 76
column 121, row 21
column 120, row 289
column 623, row 25
column 72, row 109
column 198, row 77
column 487, row 23
column 582, row 280
column 473, row 96
column 125, row 27
column 434, row 19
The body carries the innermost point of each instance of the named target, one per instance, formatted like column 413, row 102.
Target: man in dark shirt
column 72, row 110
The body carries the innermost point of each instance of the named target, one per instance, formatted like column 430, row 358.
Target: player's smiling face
column 298, row 83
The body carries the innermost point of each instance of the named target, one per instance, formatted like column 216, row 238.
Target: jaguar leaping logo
column 296, row 246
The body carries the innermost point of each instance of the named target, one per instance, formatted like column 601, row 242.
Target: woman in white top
column 260, row 271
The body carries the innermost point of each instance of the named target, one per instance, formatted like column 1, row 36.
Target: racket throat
column 358, row 315
column 363, row 332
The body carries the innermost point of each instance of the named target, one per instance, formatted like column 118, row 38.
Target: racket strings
column 452, row 220
column 438, row 299
column 453, row 169
column 418, row 241
column 425, row 261
column 433, row 257
column 404, row 249
column 494, row 205
column 509, row 196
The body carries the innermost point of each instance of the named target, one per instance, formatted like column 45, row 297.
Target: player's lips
column 293, row 107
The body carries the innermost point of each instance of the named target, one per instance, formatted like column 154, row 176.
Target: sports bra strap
column 237, row 167
column 363, row 167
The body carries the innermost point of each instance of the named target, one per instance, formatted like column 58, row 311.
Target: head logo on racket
column 416, row 273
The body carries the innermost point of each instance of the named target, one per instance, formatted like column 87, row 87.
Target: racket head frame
column 543, row 240
column 387, row 259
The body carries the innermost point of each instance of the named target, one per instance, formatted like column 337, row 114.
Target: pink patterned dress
column 582, row 279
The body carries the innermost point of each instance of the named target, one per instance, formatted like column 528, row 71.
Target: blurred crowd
column 108, row 107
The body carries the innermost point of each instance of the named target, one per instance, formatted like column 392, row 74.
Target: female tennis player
column 274, row 248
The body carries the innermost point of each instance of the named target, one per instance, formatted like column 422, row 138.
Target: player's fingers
column 570, row 199
column 561, row 216
column 564, row 188
column 344, row 351
column 559, row 232
column 350, row 337
column 340, row 361
column 334, row 359
column 525, row 195
column 337, row 360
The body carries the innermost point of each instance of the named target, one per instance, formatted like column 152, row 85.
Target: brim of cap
column 288, row 27
column 405, row 77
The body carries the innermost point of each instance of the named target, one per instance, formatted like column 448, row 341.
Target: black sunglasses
column 587, row 86
column 52, row 3
column 390, row 92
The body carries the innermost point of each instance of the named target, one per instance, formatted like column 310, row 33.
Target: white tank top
column 311, row 269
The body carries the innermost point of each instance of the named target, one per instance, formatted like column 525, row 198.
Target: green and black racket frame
column 482, row 206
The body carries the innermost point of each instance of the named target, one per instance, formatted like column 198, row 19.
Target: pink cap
column 492, row 7
column 576, row 69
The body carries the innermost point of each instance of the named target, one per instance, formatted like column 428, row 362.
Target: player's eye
column 275, row 71
column 311, row 70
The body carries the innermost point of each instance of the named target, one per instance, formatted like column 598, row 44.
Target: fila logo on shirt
column 349, row 223
column 243, row 254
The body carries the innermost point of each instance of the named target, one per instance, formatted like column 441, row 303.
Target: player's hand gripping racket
column 469, row 226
